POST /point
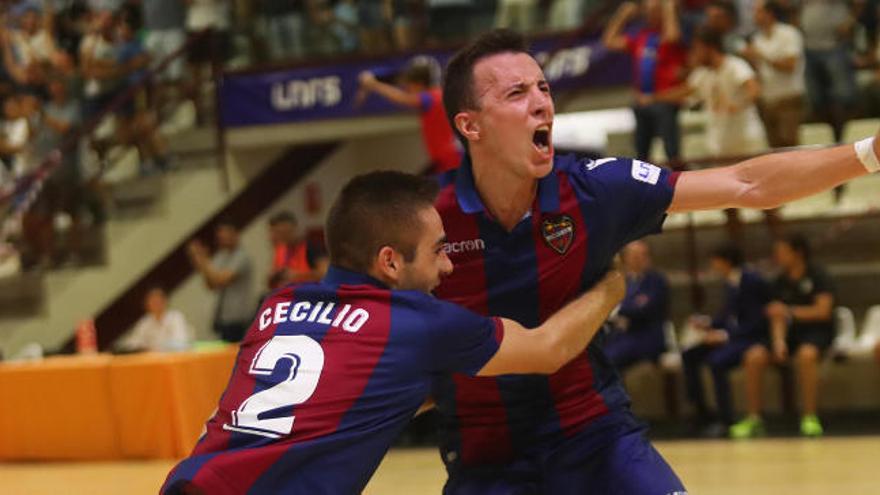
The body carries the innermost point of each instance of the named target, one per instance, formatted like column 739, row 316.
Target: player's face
column 430, row 263
column 515, row 114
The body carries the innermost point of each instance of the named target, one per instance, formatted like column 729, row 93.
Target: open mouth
column 541, row 138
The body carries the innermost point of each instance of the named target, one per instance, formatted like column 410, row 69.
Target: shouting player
column 331, row 372
column 528, row 232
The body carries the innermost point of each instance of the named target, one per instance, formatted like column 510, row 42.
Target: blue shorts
column 625, row 464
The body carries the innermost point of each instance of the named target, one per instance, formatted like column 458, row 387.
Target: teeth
column 544, row 127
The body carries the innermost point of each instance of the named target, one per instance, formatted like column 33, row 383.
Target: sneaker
column 811, row 426
column 750, row 427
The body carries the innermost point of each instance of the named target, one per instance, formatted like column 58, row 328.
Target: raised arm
column 562, row 337
column 671, row 31
column 771, row 180
column 613, row 37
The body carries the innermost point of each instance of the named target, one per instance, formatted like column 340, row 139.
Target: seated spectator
column 658, row 67
column 228, row 274
column 17, row 135
column 777, row 50
column 638, row 326
column 284, row 25
column 739, row 324
column 374, row 19
column 420, row 92
column 295, row 259
column 345, row 25
column 160, row 329
column 404, row 29
column 801, row 317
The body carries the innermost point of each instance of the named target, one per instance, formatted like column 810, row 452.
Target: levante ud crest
column 558, row 233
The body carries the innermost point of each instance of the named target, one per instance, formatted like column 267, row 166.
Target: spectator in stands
column 638, row 326
column 801, row 318
column 565, row 14
column 830, row 76
column 449, row 20
column 164, row 21
column 374, row 18
column 404, row 28
column 17, row 135
column 63, row 191
column 777, row 50
column 137, row 124
column 419, row 91
column 520, row 15
column 284, row 24
column 208, row 30
column 160, row 329
column 103, row 77
column 31, row 50
column 739, row 325
column 345, row 25
column 729, row 89
column 722, row 17
column 295, row 259
column 228, row 274
column 659, row 64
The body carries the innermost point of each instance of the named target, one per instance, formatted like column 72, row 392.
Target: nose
column 542, row 104
column 446, row 266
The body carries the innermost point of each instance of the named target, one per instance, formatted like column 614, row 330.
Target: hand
column 367, row 79
column 701, row 322
column 751, row 53
column 643, row 99
column 196, row 250
column 780, row 350
column 777, row 311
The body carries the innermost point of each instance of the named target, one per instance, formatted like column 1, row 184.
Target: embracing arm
column 767, row 181
column 562, row 337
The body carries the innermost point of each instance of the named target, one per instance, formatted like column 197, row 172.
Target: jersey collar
column 469, row 198
column 341, row 276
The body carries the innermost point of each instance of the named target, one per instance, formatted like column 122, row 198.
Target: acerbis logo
column 464, row 246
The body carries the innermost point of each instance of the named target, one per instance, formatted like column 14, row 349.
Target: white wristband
column 865, row 152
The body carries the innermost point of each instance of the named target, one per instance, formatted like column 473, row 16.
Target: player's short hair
column 282, row 217
column 710, row 37
column 800, row 244
column 458, row 90
column 418, row 73
column 728, row 7
column 730, row 253
column 776, row 9
column 375, row 210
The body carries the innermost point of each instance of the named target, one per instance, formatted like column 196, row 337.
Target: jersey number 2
column 258, row 413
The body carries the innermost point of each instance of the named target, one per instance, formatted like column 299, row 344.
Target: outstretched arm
column 771, row 180
column 562, row 337
column 613, row 37
column 388, row 91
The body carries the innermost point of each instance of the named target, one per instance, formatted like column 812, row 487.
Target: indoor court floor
column 840, row 465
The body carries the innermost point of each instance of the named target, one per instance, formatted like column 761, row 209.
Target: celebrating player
column 331, row 372
column 530, row 231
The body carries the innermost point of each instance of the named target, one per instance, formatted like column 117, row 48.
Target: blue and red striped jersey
column 327, row 376
column 584, row 212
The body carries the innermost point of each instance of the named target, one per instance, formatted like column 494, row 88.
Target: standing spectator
column 404, row 28
column 284, row 23
column 420, row 92
column 830, row 77
column 638, row 327
column 739, row 324
column 374, row 18
column 658, row 65
column 31, row 50
column 729, row 88
column 294, row 258
column 160, row 329
column 777, row 50
column 208, row 29
column 228, row 274
column 103, row 77
column 519, row 15
column 801, row 326
column 164, row 21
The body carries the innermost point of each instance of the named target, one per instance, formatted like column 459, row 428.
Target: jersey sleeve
column 634, row 195
column 460, row 340
column 426, row 101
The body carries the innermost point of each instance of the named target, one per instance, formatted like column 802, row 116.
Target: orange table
column 107, row 407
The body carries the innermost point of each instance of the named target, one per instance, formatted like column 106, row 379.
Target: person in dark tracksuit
column 739, row 324
column 638, row 326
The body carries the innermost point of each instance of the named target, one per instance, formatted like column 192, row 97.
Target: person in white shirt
column 728, row 88
column 160, row 329
column 777, row 51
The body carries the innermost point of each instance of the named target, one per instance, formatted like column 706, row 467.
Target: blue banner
column 331, row 91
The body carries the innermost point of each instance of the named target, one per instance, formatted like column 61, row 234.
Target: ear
column 467, row 126
column 388, row 264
